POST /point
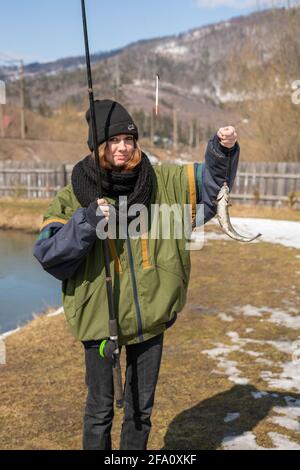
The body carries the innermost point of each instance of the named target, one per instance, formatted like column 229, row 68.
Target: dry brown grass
column 264, row 212
column 42, row 385
column 22, row 214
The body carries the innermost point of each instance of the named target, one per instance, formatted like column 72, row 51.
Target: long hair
column 132, row 163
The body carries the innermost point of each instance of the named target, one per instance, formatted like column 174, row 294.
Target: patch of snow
column 11, row 332
column 246, row 441
column 215, row 236
column 265, row 362
column 284, row 232
column 248, row 311
column 257, row 395
column 277, row 316
column 171, row 48
column 289, row 378
column 233, row 335
column 224, row 365
column 284, row 422
column 287, row 347
column 253, row 354
column 249, row 330
column 57, row 312
column 285, row 319
column 288, row 415
column 225, row 317
column 231, row 417
column 291, row 401
column 220, row 350
column 283, row 442
column 196, row 90
column 238, row 380
column 8, row 333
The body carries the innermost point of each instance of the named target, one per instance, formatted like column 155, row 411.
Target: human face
column 119, row 149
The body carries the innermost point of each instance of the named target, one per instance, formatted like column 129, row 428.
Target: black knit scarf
column 136, row 184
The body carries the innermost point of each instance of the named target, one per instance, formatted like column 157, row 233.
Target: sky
column 45, row 30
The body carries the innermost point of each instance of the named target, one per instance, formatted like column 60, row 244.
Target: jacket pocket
column 174, row 272
column 84, row 292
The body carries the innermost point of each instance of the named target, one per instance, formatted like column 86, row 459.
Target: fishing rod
column 112, row 345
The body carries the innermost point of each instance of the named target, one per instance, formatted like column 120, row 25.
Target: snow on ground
column 225, row 317
column 53, row 314
column 288, row 318
column 224, row 365
column 8, row 333
column 171, row 48
column 231, row 417
column 283, row 442
column 60, row 311
column 247, row 441
column 286, row 377
column 284, row 232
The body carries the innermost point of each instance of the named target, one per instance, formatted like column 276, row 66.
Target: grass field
column 227, row 380
column 22, row 214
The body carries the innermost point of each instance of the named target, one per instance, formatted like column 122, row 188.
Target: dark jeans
column 142, row 368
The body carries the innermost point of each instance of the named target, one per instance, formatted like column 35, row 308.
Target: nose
column 122, row 145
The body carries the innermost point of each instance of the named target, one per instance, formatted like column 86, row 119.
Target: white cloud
column 238, row 4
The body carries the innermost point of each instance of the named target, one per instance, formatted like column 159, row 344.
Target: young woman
column 150, row 273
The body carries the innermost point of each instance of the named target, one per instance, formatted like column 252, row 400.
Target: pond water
column 25, row 288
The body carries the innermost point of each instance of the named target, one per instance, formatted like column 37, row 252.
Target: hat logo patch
column 131, row 127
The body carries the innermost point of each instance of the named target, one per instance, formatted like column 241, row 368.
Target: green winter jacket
column 150, row 276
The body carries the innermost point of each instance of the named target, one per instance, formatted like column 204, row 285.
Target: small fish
column 223, row 203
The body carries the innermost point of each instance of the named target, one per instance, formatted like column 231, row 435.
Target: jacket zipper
column 135, row 292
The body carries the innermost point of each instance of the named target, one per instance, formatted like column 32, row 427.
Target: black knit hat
column 111, row 119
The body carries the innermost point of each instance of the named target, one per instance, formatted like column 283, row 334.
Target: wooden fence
column 263, row 183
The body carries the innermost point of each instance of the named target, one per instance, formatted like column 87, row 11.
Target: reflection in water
column 24, row 287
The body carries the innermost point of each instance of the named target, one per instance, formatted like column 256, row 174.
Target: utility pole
column 117, row 78
column 197, row 135
column 191, row 139
column 22, row 101
column 152, row 130
column 2, row 103
column 175, row 129
column 2, row 134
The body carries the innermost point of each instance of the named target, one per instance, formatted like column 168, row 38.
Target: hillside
column 236, row 72
column 193, row 65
